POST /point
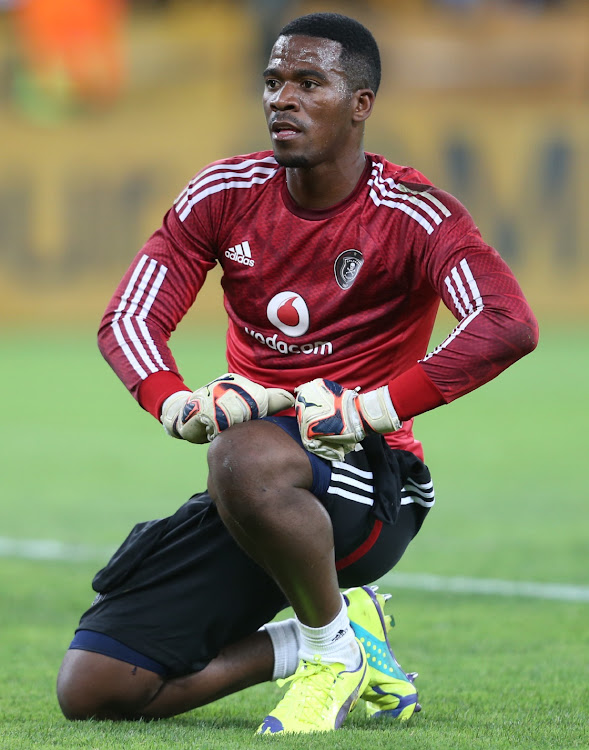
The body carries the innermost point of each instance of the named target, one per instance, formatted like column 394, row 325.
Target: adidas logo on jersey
column 241, row 253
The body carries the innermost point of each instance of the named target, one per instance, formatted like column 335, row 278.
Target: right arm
column 154, row 295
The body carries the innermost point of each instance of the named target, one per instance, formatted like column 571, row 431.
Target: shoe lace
column 310, row 692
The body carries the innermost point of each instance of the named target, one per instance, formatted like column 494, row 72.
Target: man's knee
column 94, row 686
column 253, row 458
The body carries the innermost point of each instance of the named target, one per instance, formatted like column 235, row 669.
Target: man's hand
column 333, row 419
column 200, row 416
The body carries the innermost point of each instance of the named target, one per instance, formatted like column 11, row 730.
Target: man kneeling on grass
column 334, row 263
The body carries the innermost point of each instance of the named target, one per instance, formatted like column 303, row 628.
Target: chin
column 292, row 160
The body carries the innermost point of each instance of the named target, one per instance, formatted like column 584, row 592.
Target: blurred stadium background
column 107, row 107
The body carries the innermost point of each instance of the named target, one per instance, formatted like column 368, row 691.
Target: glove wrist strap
column 377, row 411
column 170, row 412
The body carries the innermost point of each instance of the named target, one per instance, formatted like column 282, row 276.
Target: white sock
column 333, row 643
column 286, row 640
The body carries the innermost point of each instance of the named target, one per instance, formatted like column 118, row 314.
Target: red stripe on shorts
column 365, row 547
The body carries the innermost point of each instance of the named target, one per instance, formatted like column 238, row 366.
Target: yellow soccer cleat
column 390, row 692
column 319, row 698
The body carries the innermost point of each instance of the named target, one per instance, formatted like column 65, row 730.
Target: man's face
column 307, row 101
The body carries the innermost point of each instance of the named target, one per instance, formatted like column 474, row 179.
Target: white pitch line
column 51, row 549
column 489, row 586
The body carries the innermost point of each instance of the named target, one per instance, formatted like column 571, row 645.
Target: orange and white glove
column 200, row 416
column 333, row 419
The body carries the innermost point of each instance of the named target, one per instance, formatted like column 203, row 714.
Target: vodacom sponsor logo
column 288, row 312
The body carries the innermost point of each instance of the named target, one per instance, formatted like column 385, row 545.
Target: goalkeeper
column 334, row 261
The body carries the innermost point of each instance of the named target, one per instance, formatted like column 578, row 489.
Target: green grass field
column 80, row 464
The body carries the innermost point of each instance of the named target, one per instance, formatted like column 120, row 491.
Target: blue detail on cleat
column 404, row 702
column 379, row 653
column 271, row 725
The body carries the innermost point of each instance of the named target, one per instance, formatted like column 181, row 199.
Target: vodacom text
column 317, row 347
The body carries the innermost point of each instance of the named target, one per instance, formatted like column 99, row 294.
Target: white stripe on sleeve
column 138, row 340
column 474, row 303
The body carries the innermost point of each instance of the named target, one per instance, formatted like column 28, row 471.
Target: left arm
column 496, row 327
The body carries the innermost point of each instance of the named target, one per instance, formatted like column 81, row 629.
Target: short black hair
column 360, row 55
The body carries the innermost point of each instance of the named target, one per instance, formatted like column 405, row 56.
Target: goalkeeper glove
column 333, row 419
column 200, row 416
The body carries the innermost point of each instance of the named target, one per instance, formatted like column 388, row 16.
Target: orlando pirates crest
column 346, row 267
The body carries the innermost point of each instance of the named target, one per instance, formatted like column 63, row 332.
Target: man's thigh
column 377, row 502
column 377, row 499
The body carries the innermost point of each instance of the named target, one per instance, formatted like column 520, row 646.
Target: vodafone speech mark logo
column 288, row 311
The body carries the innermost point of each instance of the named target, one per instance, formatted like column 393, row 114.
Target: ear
column 363, row 103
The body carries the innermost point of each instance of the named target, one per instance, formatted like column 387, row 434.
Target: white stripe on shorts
column 415, row 492
column 356, row 484
column 351, row 483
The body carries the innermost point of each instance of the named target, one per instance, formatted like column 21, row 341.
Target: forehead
column 308, row 52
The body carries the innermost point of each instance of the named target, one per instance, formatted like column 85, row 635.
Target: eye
column 309, row 84
column 271, row 83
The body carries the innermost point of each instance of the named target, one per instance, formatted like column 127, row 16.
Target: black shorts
column 179, row 589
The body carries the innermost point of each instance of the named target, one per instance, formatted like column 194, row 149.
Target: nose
column 284, row 98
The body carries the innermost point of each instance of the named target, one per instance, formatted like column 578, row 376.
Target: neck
column 326, row 184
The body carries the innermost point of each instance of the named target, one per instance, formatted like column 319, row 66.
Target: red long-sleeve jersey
column 349, row 293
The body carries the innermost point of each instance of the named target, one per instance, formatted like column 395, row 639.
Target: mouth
column 284, row 130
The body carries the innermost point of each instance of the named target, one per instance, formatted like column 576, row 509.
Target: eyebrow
column 300, row 73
